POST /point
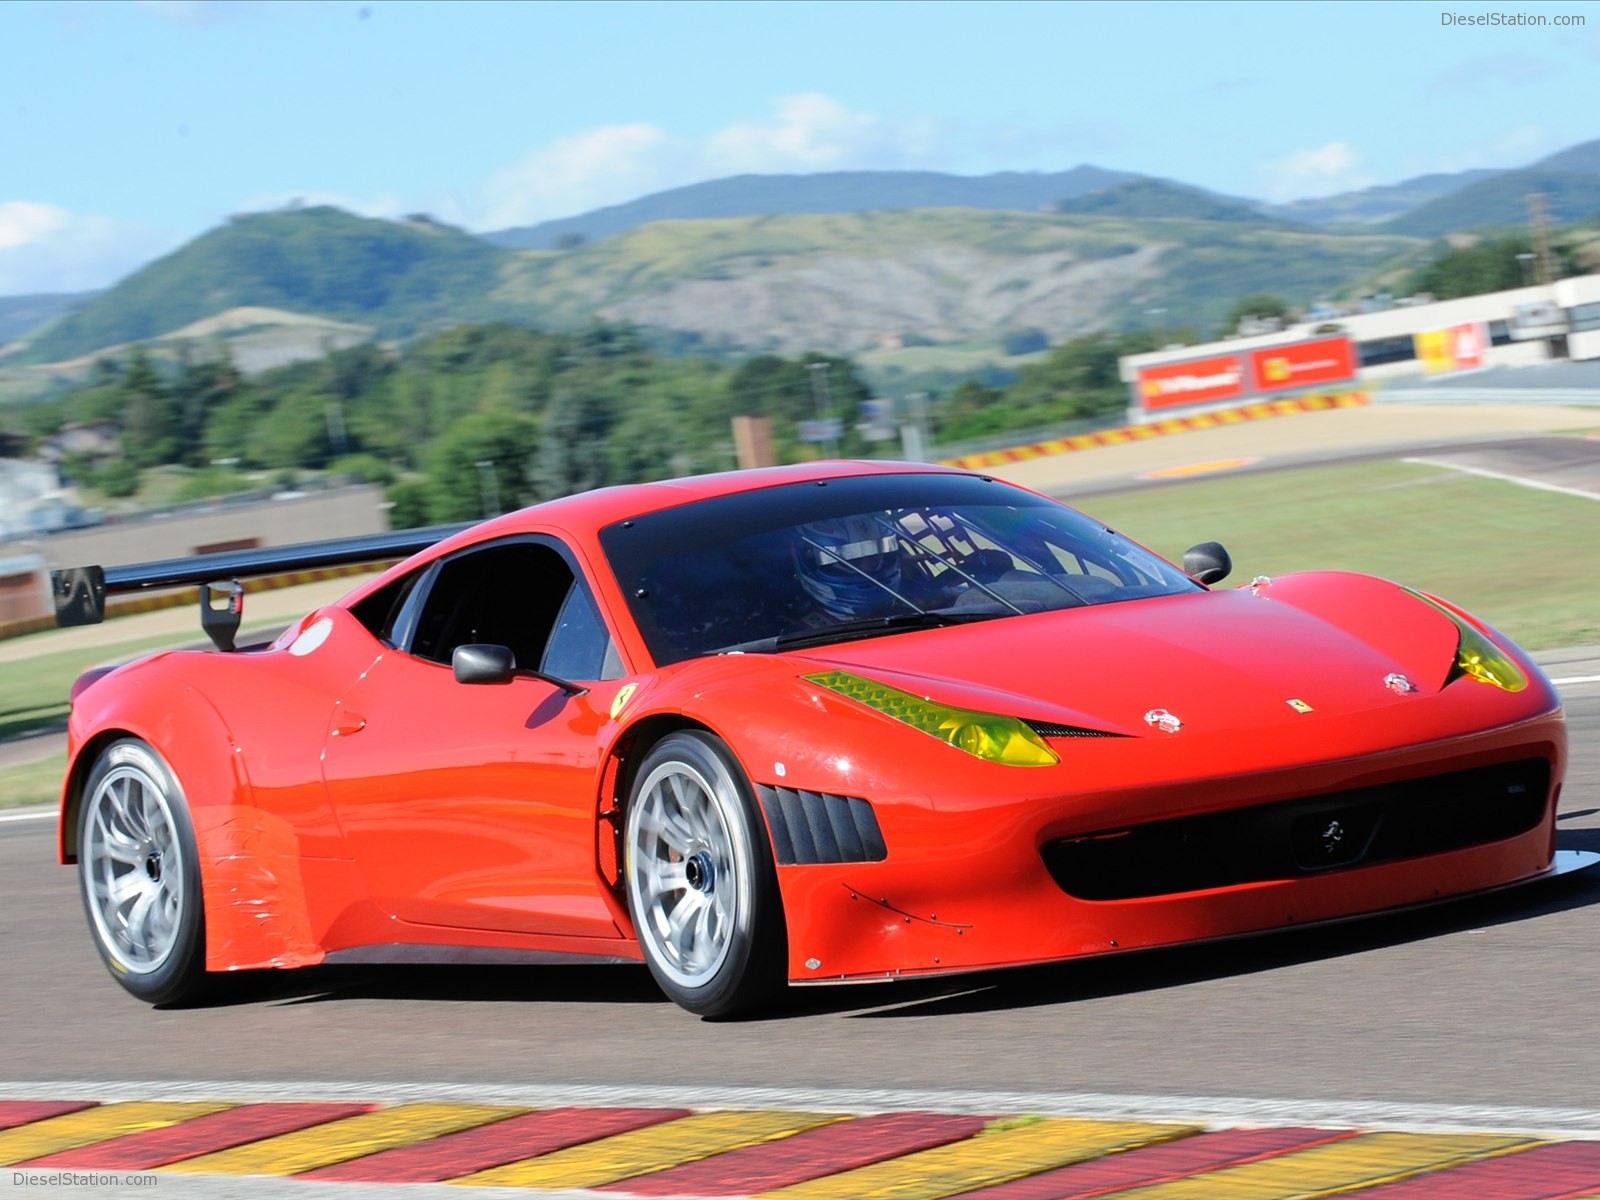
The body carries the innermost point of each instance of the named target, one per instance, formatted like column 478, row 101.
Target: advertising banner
column 1303, row 364
column 1198, row 381
column 1458, row 348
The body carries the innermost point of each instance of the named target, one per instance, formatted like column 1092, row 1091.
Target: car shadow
column 601, row 984
column 1127, row 973
column 1138, row 971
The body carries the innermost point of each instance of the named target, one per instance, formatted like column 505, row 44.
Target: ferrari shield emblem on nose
column 1163, row 720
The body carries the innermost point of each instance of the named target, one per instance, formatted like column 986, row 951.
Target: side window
column 580, row 647
column 388, row 612
column 522, row 596
column 506, row 595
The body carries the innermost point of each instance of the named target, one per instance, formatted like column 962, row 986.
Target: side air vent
column 817, row 827
column 1047, row 730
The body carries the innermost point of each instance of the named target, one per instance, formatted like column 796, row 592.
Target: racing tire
column 139, row 872
column 702, row 889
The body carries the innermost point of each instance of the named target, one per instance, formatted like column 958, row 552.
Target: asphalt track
column 1471, row 1016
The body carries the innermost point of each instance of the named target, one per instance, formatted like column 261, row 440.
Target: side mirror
column 479, row 662
column 1208, row 562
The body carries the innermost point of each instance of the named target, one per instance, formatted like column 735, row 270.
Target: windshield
column 816, row 562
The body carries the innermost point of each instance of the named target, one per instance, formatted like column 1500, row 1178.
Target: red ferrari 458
column 837, row 722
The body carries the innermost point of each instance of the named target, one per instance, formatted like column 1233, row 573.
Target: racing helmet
column 849, row 565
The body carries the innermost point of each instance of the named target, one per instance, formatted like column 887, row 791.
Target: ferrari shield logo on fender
column 1300, row 706
column 620, row 701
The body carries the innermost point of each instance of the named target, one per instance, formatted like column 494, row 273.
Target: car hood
column 1256, row 656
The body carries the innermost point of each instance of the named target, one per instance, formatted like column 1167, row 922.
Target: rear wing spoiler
column 80, row 592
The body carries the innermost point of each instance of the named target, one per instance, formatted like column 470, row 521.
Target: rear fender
column 250, row 868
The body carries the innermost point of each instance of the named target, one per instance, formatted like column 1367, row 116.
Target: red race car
column 838, row 722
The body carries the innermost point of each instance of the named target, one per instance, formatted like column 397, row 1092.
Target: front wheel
column 141, row 874
column 701, row 885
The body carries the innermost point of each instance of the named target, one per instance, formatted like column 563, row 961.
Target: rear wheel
column 140, row 873
column 701, row 885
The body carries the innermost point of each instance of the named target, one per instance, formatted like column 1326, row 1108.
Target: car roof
column 584, row 514
column 591, row 511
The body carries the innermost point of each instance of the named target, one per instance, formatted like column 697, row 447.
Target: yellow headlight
column 987, row 736
column 1478, row 657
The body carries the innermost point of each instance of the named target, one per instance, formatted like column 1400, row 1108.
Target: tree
column 1493, row 265
column 295, row 433
column 199, row 388
column 410, row 503
column 151, row 429
column 790, row 391
column 119, row 478
column 572, row 446
column 481, row 463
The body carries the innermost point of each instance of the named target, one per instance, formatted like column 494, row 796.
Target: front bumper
column 967, row 882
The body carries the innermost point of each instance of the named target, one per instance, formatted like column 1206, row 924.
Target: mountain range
column 916, row 268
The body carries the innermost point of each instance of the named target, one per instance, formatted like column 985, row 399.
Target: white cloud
column 1317, row 171
column 47, row 249
column 612, row 164
column 22, row 221
column 587, row 170
column 812, row 133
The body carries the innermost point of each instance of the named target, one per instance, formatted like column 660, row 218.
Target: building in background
column 1334, row 350
column 33, row 502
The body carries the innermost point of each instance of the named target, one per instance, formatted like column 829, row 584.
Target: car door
column 472, row 805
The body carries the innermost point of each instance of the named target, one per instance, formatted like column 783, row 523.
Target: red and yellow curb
column 778, row 1154
column 1124, row 434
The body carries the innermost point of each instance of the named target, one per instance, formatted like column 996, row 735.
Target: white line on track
column 1206, row 1110
column 1537, row 485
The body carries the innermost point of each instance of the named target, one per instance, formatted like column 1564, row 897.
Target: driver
column 852, row 568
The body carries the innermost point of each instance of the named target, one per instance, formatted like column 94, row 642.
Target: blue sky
column 127, row 128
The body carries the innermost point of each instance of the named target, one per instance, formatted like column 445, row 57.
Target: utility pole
column 914, row 432
column 824, row 402
column 1539, row 232
column 334, row 410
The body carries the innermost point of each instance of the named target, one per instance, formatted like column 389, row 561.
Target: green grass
column 33, row 691
column 1520, row 559
column 37, row 782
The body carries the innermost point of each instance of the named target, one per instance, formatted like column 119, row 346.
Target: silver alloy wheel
column 687, row 876
column 133, row 865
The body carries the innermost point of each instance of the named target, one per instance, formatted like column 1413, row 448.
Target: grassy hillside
column 396, row 276
column 1159, row 198
column 847, row 281
column 840, row 282
column 823, row 192
column 23, row 314
column 1375, row 204
column 1503, row 200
